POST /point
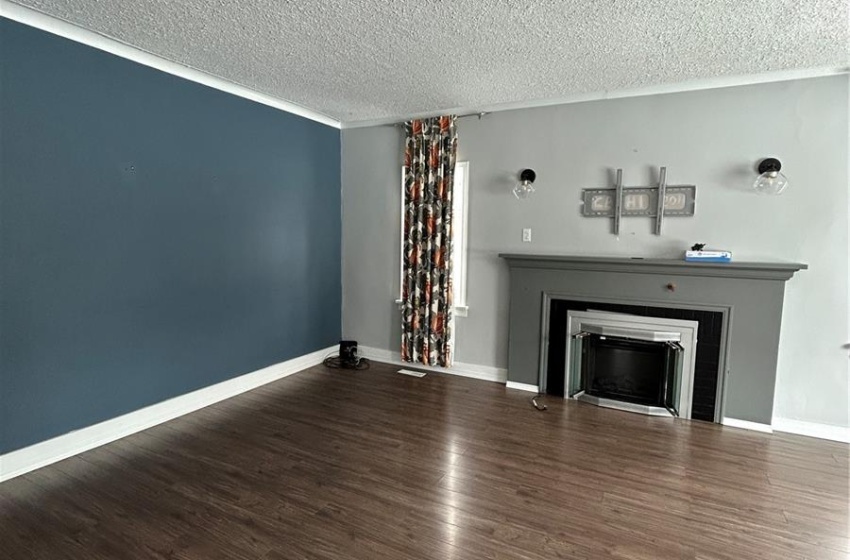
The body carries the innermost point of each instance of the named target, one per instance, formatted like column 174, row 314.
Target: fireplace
column 629, row 362
column 737, row 305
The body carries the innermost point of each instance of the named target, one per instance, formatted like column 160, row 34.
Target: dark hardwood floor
column 335, row 464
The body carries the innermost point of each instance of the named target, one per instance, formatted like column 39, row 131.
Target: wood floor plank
column 334, row 464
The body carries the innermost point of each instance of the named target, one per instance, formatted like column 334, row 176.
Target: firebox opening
column 627, row 370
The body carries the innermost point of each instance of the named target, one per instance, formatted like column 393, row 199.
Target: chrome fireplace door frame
column 672, row 383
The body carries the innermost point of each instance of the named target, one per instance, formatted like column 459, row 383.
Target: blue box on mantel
column 709, row 256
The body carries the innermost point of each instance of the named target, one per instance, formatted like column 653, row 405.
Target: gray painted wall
column 156, row 236
column 709, row 138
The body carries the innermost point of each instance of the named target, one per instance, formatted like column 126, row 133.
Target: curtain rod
column 479, row 115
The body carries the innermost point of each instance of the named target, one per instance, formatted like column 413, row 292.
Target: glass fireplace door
column 641, row 372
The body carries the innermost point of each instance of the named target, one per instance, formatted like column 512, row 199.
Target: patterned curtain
column 429, row 167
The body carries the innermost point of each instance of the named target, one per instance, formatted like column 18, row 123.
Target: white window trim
column 399, row 300
column 461, row 242
column 461, row 309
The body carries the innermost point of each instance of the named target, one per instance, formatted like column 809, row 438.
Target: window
column 460, row 251
column 460, row 215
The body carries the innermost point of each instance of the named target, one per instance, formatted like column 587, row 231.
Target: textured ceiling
column 357, row 60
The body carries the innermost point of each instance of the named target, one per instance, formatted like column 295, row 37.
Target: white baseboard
column 747, row 425
column 812, row 429
column 487, row 373
column 522, row 387
column 61, row 447
column 799, row 427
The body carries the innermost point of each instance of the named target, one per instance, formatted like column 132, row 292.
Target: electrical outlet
column 526, row 235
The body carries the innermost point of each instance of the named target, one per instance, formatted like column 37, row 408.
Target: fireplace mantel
column 748, row 294
column 756, row 270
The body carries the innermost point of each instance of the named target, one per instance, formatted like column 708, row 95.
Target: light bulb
column 770, row 182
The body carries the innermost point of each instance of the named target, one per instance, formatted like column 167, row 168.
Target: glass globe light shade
column 770, row 182
column 522, row 190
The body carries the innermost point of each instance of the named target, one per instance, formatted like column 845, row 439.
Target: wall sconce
column 770, row 180
column 524, row 187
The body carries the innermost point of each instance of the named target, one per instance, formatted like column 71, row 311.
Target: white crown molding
column 812, row 429
column 661, row 89
column 61, row 447
column 57, row 26
column 747, row 425
column 485, row 373
column 522, row 387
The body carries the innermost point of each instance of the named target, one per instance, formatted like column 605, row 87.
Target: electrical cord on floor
column 335, row 362
column 537, row 405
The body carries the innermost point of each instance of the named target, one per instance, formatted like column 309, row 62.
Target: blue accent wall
column 156, row 236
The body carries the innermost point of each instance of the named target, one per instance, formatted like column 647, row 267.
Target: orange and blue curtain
column 430, row 153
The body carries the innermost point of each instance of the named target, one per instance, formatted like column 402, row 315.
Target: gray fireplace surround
column 748, row 294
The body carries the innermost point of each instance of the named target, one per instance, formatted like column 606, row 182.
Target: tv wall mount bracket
column 653, row 202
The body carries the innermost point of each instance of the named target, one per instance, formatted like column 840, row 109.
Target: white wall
column 710, row 138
